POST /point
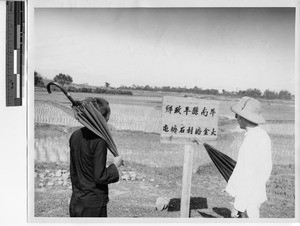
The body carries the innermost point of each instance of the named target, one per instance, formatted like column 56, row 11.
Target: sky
column 211, row 48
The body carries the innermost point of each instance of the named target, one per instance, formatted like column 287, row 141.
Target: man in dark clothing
column 89, row 175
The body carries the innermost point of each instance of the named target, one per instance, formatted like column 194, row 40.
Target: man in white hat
column 247, row 183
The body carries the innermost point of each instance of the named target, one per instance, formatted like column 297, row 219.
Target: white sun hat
column 250, row 109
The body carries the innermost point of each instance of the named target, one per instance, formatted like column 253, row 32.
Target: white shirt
column 252, row 171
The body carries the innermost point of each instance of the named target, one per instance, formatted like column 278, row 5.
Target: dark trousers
column 243, row 214
column 81, row 211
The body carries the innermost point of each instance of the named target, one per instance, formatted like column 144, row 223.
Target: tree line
column 64, row 80
column 255, row 93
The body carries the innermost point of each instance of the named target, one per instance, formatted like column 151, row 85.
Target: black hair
column 101, row 104
column 249, row 122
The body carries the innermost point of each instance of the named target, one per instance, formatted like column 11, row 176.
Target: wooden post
column 186, row 181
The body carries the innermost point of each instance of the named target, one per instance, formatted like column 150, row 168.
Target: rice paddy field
column 135, row 124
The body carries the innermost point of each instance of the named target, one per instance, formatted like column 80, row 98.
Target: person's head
column 244, row 123
column 248, row 112
column 102, row 106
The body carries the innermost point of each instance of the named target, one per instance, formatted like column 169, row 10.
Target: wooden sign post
column 186, row 181
column 184, row 119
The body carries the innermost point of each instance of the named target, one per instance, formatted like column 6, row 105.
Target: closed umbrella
column 88, row 115
column 224, row 163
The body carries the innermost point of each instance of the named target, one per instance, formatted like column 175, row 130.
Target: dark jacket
column 89, row 175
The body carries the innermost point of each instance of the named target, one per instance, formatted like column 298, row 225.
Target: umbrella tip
column 197, row 140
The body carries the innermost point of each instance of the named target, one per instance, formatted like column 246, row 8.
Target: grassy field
column 135, row 124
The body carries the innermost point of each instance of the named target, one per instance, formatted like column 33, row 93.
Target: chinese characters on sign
column 185, row 118
column 190, row 110
column 189, row 130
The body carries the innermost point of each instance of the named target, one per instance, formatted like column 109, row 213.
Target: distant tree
column 38, row 80
column 63, row 79
column 242, row 93
column 107, row 84
column 270, row 95
column 284, row 94
column 72, row 89
column 214, row 92
column 256, row 93
column 99, row 90
column 253, row 93
column 226, row 93
column 147, row 87
column 86, row 90
column 166, row 88
column 196, row 90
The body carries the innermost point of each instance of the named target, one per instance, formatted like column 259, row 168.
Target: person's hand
column 225, row 192
column 234, row 213
column 195, row 141
column 118, row 161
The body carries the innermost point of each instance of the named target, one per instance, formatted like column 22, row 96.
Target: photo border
column 36, row 4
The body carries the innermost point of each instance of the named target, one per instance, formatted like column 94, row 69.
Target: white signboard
column 183, row 119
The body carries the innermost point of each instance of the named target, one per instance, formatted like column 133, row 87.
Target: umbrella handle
column 74, row 103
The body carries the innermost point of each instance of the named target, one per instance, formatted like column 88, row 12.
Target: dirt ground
column 136, row 198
